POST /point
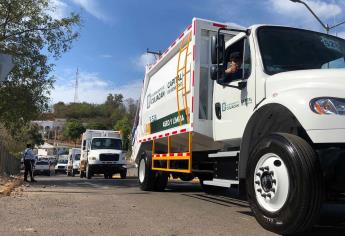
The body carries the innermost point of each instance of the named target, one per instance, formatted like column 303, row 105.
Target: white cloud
column 92, row 7
column 58, row 9
column 92, row 88
column 144, row 60
column 297, row 11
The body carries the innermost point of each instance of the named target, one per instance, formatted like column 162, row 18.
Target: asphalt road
column 61, row 205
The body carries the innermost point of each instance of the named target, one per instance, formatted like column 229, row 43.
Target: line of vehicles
column 101, row 152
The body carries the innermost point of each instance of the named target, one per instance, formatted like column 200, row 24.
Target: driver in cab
column 234, row 70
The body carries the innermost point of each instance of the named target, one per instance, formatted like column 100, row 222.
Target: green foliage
column 30, row 35
column 73, row 130
column 32, row 135
column 96, row 125
column 125, row 127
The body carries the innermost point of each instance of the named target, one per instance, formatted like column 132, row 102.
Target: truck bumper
column 327, row 135
column 106, row 168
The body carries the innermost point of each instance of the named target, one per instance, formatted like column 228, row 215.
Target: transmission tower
column 76, row 98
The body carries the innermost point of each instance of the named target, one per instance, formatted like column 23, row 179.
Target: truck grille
column 109, row 157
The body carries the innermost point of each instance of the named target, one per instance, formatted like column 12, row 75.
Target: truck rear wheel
column 150, row 180
column 284, row 183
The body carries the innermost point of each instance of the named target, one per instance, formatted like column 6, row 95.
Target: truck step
column 226, row 183
column 224, row 154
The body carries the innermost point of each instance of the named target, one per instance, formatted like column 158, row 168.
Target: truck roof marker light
column 160, row 136
column 219, row 25
column 173, row 44
column 167, row 134
column 183, row 130
column 154, row 137
column 187, row 154
column 174, row 132
column 181, row 36
column 148, row 139
column 189, row 27
column 144, row 140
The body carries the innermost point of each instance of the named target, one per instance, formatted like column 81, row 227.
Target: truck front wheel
column 88, row 172
column 284, row 183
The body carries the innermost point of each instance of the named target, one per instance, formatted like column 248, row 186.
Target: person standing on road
column 29, row 160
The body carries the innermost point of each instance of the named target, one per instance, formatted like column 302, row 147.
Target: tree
column 73, row 130
column 96, row 125
column 30, row 34
column 124, row 126
column 32, row 135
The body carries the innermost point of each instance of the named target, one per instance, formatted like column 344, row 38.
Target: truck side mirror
column 217, row 49
column 217, row 57
column 216, row 72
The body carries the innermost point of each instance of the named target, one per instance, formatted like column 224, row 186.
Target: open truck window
column 287, row 49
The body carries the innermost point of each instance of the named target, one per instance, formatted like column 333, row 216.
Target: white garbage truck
column 102, row 153
column 273, row 126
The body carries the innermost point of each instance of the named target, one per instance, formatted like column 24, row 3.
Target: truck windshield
column 106, row 143
column 286, row 49
column 77, row 157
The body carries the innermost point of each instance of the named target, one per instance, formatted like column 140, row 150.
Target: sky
column 111, row 52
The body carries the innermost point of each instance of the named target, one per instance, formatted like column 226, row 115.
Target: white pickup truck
column 274, row 128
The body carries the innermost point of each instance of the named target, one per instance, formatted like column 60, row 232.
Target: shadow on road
column 332, row 220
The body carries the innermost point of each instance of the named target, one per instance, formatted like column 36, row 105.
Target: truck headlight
column 328, row 106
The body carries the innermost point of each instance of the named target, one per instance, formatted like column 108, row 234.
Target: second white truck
column 102, row 153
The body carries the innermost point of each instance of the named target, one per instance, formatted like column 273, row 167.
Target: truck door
column 233, row 106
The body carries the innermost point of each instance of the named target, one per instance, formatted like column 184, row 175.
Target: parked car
column 44, row 168
column 73, row 162
column 61, row 166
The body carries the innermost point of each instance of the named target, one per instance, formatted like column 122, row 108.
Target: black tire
column 146, row 179
column 161, row 181
column 88, row 172
column 152, row 180
column 123, row 174
column 300, row 210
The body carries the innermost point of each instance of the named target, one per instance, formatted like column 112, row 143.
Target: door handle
column 218, row 110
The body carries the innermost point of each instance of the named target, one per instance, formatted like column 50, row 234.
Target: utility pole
column 156, row 53
column 325, row 26
column 76, row 98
